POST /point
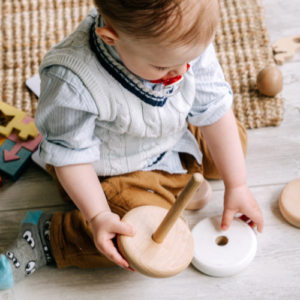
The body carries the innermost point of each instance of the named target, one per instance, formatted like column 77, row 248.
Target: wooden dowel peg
column 177, row 208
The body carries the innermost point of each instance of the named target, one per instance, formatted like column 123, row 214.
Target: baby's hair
column 171, row 21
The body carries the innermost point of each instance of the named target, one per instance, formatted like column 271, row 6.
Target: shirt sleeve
column 65, row 117
column 213, row 94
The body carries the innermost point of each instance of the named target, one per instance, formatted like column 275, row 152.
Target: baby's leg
column 71, row 236
column 72, row 242
column 208, row 167
column 29, row 252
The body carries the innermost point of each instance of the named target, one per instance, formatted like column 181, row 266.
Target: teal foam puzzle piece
column 13, row 169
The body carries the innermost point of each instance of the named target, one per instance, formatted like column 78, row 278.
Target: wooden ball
column 152, row 259
column 269, row 81
column 289, row 202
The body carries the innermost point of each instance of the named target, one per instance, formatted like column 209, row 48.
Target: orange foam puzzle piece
column 2, row 140
column 25, row 130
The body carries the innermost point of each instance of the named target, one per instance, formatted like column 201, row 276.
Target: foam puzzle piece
column 2, row 139
column 25, row 130
column 284, row 49
column 34, row 84
column 27, row 120
column 30, row 144
column 13, row 169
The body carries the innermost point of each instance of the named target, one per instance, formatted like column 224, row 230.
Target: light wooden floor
column 273, row 160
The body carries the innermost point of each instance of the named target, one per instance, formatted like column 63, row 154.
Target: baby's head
column 157, row 38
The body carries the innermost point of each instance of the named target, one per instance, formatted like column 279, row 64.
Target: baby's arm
column 211, row 112
column 66, row 116
column 224, row 144
column 82, row 184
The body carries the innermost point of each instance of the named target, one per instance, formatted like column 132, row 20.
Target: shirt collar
column 170, row 91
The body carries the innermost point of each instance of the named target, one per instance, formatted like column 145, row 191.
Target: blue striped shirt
column 66, row 116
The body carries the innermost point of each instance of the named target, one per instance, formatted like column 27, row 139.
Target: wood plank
column 10, row 220
column 33, row 190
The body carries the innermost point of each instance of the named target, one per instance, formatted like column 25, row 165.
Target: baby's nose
column 178, row 71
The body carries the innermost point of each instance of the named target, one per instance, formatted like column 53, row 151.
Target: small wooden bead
column 269, row 81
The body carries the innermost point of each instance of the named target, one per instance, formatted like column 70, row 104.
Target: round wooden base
column 223, row 253
column 289, row 202
column 144, row 255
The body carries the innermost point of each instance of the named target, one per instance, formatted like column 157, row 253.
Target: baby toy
column 269, row 81
column 163, row 245
column 16, row 120
column 18, row 139
column 34, row 84
column 289, row 202
column 284, row 49
column 223, row 253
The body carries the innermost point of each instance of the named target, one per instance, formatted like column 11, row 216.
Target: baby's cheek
column 140, row 68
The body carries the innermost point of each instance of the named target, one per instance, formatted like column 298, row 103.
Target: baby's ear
column 107, row 34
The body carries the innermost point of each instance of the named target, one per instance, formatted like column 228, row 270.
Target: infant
column 132, row 103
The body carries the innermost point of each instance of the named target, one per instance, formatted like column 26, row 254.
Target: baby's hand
column 106, row 225
column 241, row 200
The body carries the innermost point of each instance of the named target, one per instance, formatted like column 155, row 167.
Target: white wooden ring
column 223, row 253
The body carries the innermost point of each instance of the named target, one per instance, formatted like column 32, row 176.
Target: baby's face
column 152, row 60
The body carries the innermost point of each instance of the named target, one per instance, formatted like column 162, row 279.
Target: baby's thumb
column 123, row 228
column 227, row 218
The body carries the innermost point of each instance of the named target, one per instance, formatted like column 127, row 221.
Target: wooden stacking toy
column 289, row 202
column 163, row 245
column 284, row 49
column 223, row 253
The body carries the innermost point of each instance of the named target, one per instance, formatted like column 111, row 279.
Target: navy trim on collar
column 120, row 76
column 159, row 158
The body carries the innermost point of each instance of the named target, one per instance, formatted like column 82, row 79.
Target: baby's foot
column 29, row 252
column 201, row 197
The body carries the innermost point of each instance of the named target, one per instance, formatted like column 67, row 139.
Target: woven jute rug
column 29, row 28
column 243, row 49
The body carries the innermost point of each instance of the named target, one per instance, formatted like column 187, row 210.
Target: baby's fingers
column 252, row 224
column 227, row 218
column 256, row 220
column 110, row 251
column 248, row 221
column 122, row 228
